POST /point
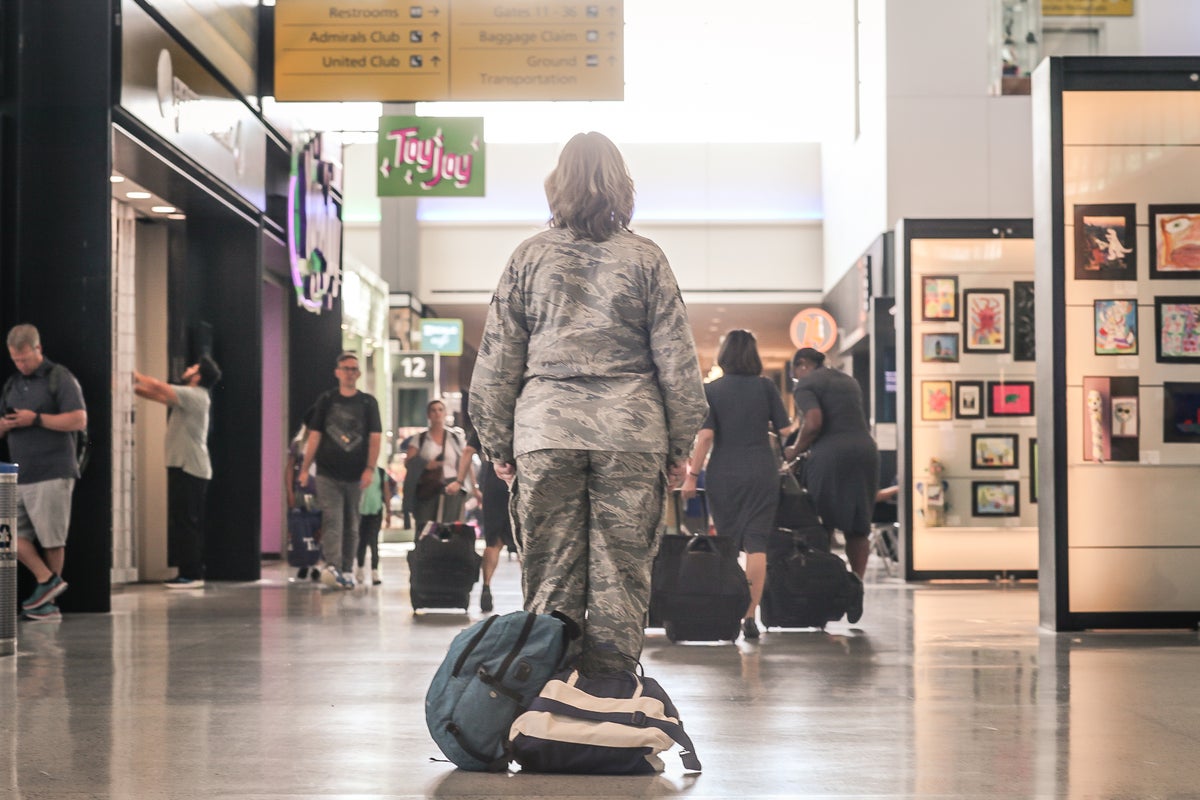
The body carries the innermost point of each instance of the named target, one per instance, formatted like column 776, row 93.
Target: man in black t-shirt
column 343, row 440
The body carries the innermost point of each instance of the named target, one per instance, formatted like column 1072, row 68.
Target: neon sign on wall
column 313, row 230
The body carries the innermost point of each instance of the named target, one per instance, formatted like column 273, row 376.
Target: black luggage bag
column 443, row 566
column 303, row 548
column 698, row 590
column 798, row 513
column 806, row 587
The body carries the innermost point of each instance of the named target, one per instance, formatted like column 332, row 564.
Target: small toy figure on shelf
column 1096, row 424
column 933, row 494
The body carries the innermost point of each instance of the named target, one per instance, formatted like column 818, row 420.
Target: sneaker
column 345, row 581
column 358, row 574
column 375, row 578
column 46, row 612
column 855, row 611
column 750, row 628
column 184, row 583
column 330, row 577
column 485, row 600
column 302, row 573
column 45, row 592
column 315, row 574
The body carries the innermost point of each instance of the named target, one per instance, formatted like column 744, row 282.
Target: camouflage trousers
column 587, row 523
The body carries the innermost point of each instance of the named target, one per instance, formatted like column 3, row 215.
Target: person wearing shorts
column 43, row 408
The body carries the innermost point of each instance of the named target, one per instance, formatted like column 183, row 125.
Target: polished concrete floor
column 279, row 689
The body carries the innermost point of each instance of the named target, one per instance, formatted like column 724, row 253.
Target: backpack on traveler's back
column 610, row 724
column 493, row 670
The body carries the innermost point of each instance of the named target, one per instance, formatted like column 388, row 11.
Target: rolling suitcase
column 698, row 590
column 443, row 565
column 807, row 587
column 303, row 548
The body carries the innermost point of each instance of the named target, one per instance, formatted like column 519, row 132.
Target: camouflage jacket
column 587, row 347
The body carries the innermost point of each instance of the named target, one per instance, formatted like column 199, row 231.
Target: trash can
column 8, row 559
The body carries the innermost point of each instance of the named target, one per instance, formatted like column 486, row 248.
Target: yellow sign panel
column 1087, row 8
column 409, row 50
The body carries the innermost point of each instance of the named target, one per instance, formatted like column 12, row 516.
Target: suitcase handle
column 677, row 499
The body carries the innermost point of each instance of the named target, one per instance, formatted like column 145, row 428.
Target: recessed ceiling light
column 176, row 216
column 163, row 209
column 116, row 178
column 138, row 195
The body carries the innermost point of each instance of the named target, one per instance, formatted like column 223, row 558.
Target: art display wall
column 968, row 423
column 1121, row 216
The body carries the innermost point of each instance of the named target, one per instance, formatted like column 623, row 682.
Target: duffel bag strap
column 635, row 719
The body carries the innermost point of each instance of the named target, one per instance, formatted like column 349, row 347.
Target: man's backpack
column 83, row 442
column 609, row 724
column 493, row 670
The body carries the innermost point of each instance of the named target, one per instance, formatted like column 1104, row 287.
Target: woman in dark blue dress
column 842, row 470
column 742, row 482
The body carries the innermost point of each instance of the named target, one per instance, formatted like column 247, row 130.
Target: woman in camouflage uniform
column 587, row 395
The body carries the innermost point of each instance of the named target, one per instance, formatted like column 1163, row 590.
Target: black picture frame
column 990, row 322
column 1008, row 506
column 1010, row 398
column 1166, row 260
column 944, row 349
column 1181, row 412
column 1034, row 470
column 1114, row 329
column 1182, row 312
column 1024, row 345
column 1106, row 242
column 969, row 400
column 988, row 451
column 933, row 312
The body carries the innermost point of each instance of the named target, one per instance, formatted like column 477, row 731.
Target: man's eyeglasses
column 349, row 369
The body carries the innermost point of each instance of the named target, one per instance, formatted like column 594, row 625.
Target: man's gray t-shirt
column 187, row 432
column 43, row 454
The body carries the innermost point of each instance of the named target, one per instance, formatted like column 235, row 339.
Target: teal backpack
column 493, row 671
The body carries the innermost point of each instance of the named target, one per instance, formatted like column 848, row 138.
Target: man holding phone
column 43, row 408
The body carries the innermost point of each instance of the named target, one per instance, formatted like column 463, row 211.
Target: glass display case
column 1117, row 210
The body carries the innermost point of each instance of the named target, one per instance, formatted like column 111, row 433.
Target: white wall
column 854, row 167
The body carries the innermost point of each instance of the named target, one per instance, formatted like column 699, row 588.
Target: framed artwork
column 1177, row 320
column 1181, row 412
column 1010, row 398
column 995, row 499
column 935, row 400
column 1175, row 241
column 939, row 348
column 1115, row 324
column 985, row 320
column 1124, row 417
column 995, row 451
column 939, row 298
column 1033, row 471
column 1110, row 419
column 1024, row 341
column 1105, row 243
column 968, row 399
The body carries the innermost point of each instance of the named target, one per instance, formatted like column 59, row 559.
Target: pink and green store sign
column 430, row 157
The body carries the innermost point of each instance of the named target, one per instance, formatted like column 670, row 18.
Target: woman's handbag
column 431, row 483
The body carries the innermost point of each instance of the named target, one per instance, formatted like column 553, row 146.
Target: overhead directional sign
column 408, row 50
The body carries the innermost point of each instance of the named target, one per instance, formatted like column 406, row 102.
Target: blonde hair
column 590, row 191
